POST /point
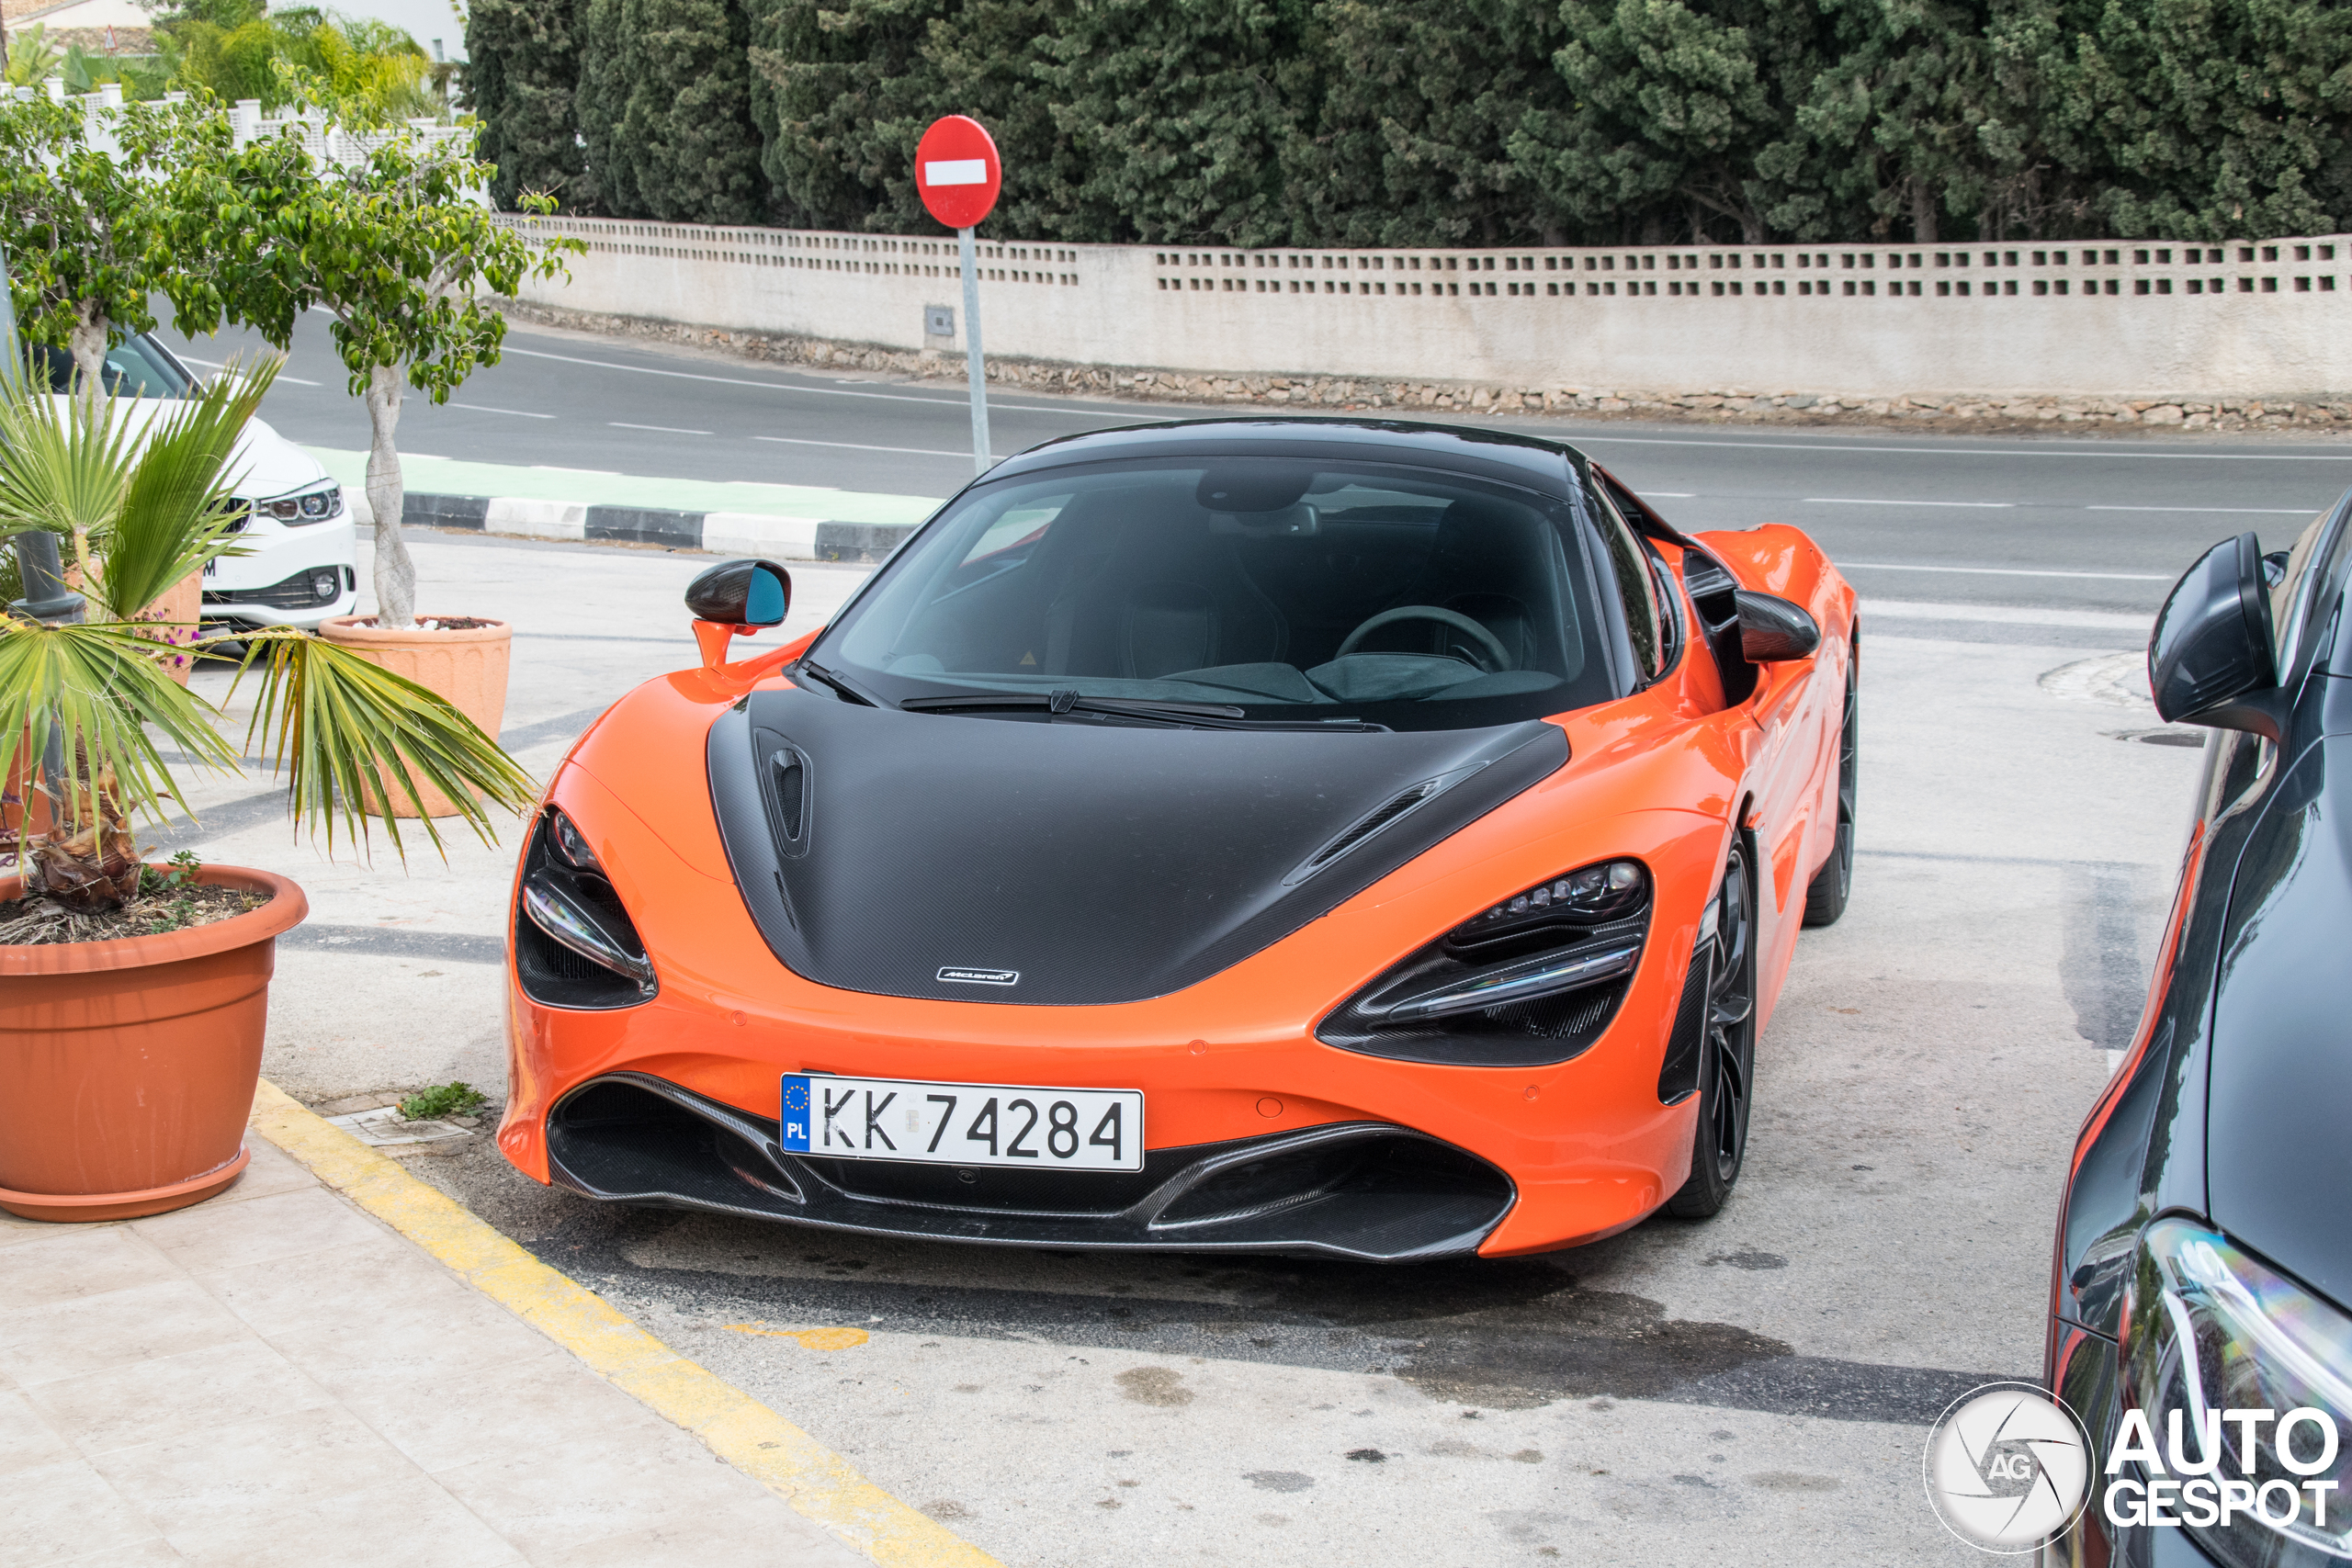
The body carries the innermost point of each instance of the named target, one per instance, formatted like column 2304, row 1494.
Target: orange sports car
column 1350, row 837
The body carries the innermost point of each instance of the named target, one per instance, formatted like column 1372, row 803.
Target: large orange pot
column 178, row 611
column 467, row 666
column 126, row 1069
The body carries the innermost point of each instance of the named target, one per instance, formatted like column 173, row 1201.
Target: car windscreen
column 134, row 369
column 1293, row 591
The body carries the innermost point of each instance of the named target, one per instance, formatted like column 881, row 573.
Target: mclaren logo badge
column 981, row 976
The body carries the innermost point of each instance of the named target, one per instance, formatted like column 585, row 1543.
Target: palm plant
column 83, row 706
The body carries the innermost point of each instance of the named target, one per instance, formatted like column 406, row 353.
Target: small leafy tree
column 398, row 249
column 96, row 231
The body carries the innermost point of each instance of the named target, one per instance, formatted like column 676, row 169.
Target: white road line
column 1669, row 495
column 2005, row 572
column 947, row 403
column 859, row 447
column 2218, row 511
column 2007, row 615
column 598, row 473
column 1577, row 438
column 659, row 429
column 1852, row 501
column 481, row 408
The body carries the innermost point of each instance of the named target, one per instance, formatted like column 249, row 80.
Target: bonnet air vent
column 1406, row 801
column 791, row 793
column 788, row 793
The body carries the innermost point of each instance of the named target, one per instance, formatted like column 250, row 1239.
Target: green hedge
column 1375, row 122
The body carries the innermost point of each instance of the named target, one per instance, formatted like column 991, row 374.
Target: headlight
column 1531, row 981
column 320, row 503
column 574, row 944
column 2245, row 1383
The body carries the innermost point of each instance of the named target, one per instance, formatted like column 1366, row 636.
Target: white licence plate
column 964, row 1123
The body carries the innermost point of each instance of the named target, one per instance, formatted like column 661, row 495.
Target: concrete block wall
column 2053, row 320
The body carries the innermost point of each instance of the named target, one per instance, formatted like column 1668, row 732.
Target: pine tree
column 664, row 105
column 1674, row 101
column 522, row 75
column 2183, row 118
column 843, row 89
column 1179, row 114
column 1412, row 145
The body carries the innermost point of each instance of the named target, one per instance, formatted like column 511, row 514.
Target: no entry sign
column 957, row 172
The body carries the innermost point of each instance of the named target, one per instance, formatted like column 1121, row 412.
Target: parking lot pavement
column 1768, row 1372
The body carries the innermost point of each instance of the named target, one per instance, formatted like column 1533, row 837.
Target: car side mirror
column 746, row 594
column 1772, row 629
column 2213, row 660
column 737, row 596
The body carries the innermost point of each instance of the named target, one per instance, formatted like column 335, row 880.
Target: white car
column 301, row 546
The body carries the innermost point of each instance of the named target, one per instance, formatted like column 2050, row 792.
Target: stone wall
column 1453, row 399
column 2083, row 330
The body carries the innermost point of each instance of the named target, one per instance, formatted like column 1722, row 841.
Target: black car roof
column 1495, row 454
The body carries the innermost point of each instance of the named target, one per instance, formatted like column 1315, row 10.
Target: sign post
column 957, row 176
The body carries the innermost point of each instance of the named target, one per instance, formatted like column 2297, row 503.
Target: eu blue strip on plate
column 796, row 1115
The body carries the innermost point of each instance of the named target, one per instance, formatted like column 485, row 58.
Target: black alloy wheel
column 1825, row 897
column 1728, row 1061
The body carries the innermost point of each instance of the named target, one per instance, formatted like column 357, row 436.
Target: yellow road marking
column 808, row 1338
column 740, row 1429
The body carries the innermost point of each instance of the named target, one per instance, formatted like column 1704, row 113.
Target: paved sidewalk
column 277, row 1377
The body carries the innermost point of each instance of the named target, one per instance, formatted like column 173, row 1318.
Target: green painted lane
column 449, row 476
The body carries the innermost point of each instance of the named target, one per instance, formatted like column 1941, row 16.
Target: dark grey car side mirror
column 1772, row 629
column 2213, row 660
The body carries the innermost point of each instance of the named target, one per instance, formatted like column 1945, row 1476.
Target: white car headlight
column 2218, row 1345
column 320, row 502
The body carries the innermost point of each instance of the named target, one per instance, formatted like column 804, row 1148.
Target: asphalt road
column 2104, row 523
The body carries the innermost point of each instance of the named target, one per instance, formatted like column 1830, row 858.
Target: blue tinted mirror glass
column 765, row 604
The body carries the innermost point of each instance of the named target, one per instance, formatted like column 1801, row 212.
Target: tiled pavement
column 275, row 1377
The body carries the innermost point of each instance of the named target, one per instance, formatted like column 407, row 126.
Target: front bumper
column 276, row 583
column 1363, row 1191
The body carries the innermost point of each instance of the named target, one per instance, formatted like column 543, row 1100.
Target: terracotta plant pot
column 467, row 666
column 175, row 613
column 179, row 608
column 126, row 1069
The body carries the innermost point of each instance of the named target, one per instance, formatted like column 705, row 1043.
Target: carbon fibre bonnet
column 987, row 860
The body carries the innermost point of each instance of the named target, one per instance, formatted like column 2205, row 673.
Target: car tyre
column 1825, row 897
column 1727, row 1058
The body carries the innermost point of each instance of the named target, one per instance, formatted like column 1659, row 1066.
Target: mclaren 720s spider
column 1344, row 838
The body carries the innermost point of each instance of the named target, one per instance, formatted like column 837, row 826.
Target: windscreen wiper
column 1197, row 715
column 825, row 677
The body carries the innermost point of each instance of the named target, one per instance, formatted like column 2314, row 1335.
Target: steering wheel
column 1488, row 643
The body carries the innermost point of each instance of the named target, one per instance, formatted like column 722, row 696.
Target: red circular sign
column 957, row 172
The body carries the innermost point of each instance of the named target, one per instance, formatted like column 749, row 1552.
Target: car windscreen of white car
column 1261, row 589
column 133, row 368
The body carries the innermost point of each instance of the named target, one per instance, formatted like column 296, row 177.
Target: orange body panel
column 1662, row 776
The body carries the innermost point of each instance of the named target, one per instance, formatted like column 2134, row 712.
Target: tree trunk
column 395, row 573
column 1923, row 213
column 88, row 344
